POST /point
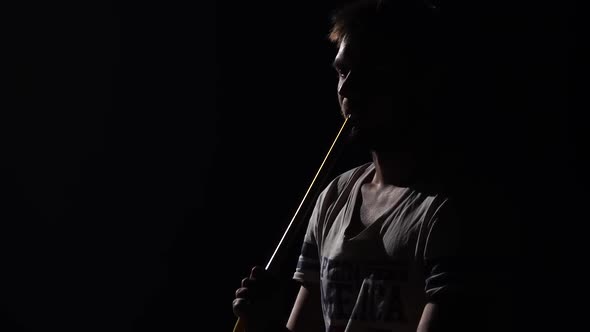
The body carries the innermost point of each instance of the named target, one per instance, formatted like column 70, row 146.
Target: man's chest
column 376, row 202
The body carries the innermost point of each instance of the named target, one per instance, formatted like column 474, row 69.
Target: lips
column 347, row 110
column 353, row 118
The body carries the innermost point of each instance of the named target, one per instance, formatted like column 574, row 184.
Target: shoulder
column 346, row 180
column 467, row 225
column 426, row 207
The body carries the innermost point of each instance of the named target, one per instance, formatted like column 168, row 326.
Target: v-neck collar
column 352, row 207
column 352, row 210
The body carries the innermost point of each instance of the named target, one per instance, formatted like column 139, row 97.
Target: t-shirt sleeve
column 461, row 252
column 308, row 265
column 446, row 256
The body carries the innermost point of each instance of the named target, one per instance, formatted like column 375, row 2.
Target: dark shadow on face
column 381, row 89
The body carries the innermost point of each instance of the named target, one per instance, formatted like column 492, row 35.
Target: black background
column 153, row 152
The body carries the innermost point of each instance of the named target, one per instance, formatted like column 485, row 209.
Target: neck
column 391, row 169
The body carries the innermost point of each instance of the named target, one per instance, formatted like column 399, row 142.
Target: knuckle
column 241, row 292
column 239, row 307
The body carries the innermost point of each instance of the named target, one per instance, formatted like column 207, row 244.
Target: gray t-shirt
column 375, row 280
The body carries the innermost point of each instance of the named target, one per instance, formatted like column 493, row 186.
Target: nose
column 346, row 85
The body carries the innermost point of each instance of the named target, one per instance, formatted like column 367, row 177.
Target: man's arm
column 428, row 319
column 456, row 273
column 306, row 314
column 454, row 316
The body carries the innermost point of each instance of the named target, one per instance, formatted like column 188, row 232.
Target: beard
column 380, row 138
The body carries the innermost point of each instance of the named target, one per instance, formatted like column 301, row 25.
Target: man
column 386, row 248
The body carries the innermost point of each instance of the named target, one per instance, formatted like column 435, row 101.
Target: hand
column 258, row 302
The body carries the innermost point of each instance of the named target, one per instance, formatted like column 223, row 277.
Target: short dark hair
column 411, row 21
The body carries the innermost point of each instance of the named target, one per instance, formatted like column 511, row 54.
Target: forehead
column 367, row 50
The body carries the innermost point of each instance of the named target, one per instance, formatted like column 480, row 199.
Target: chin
column 364, row 137
column 373, row 139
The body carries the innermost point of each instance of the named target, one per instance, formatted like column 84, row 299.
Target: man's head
column 386, row 69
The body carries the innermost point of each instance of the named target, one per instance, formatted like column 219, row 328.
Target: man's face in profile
column 374, row 89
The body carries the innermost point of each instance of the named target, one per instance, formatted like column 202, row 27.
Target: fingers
column 256, row 300
column 242, row 292
column 241, row 302
column 240, row 307
column 254, row 288
column 258, row 272
column 259, row 277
